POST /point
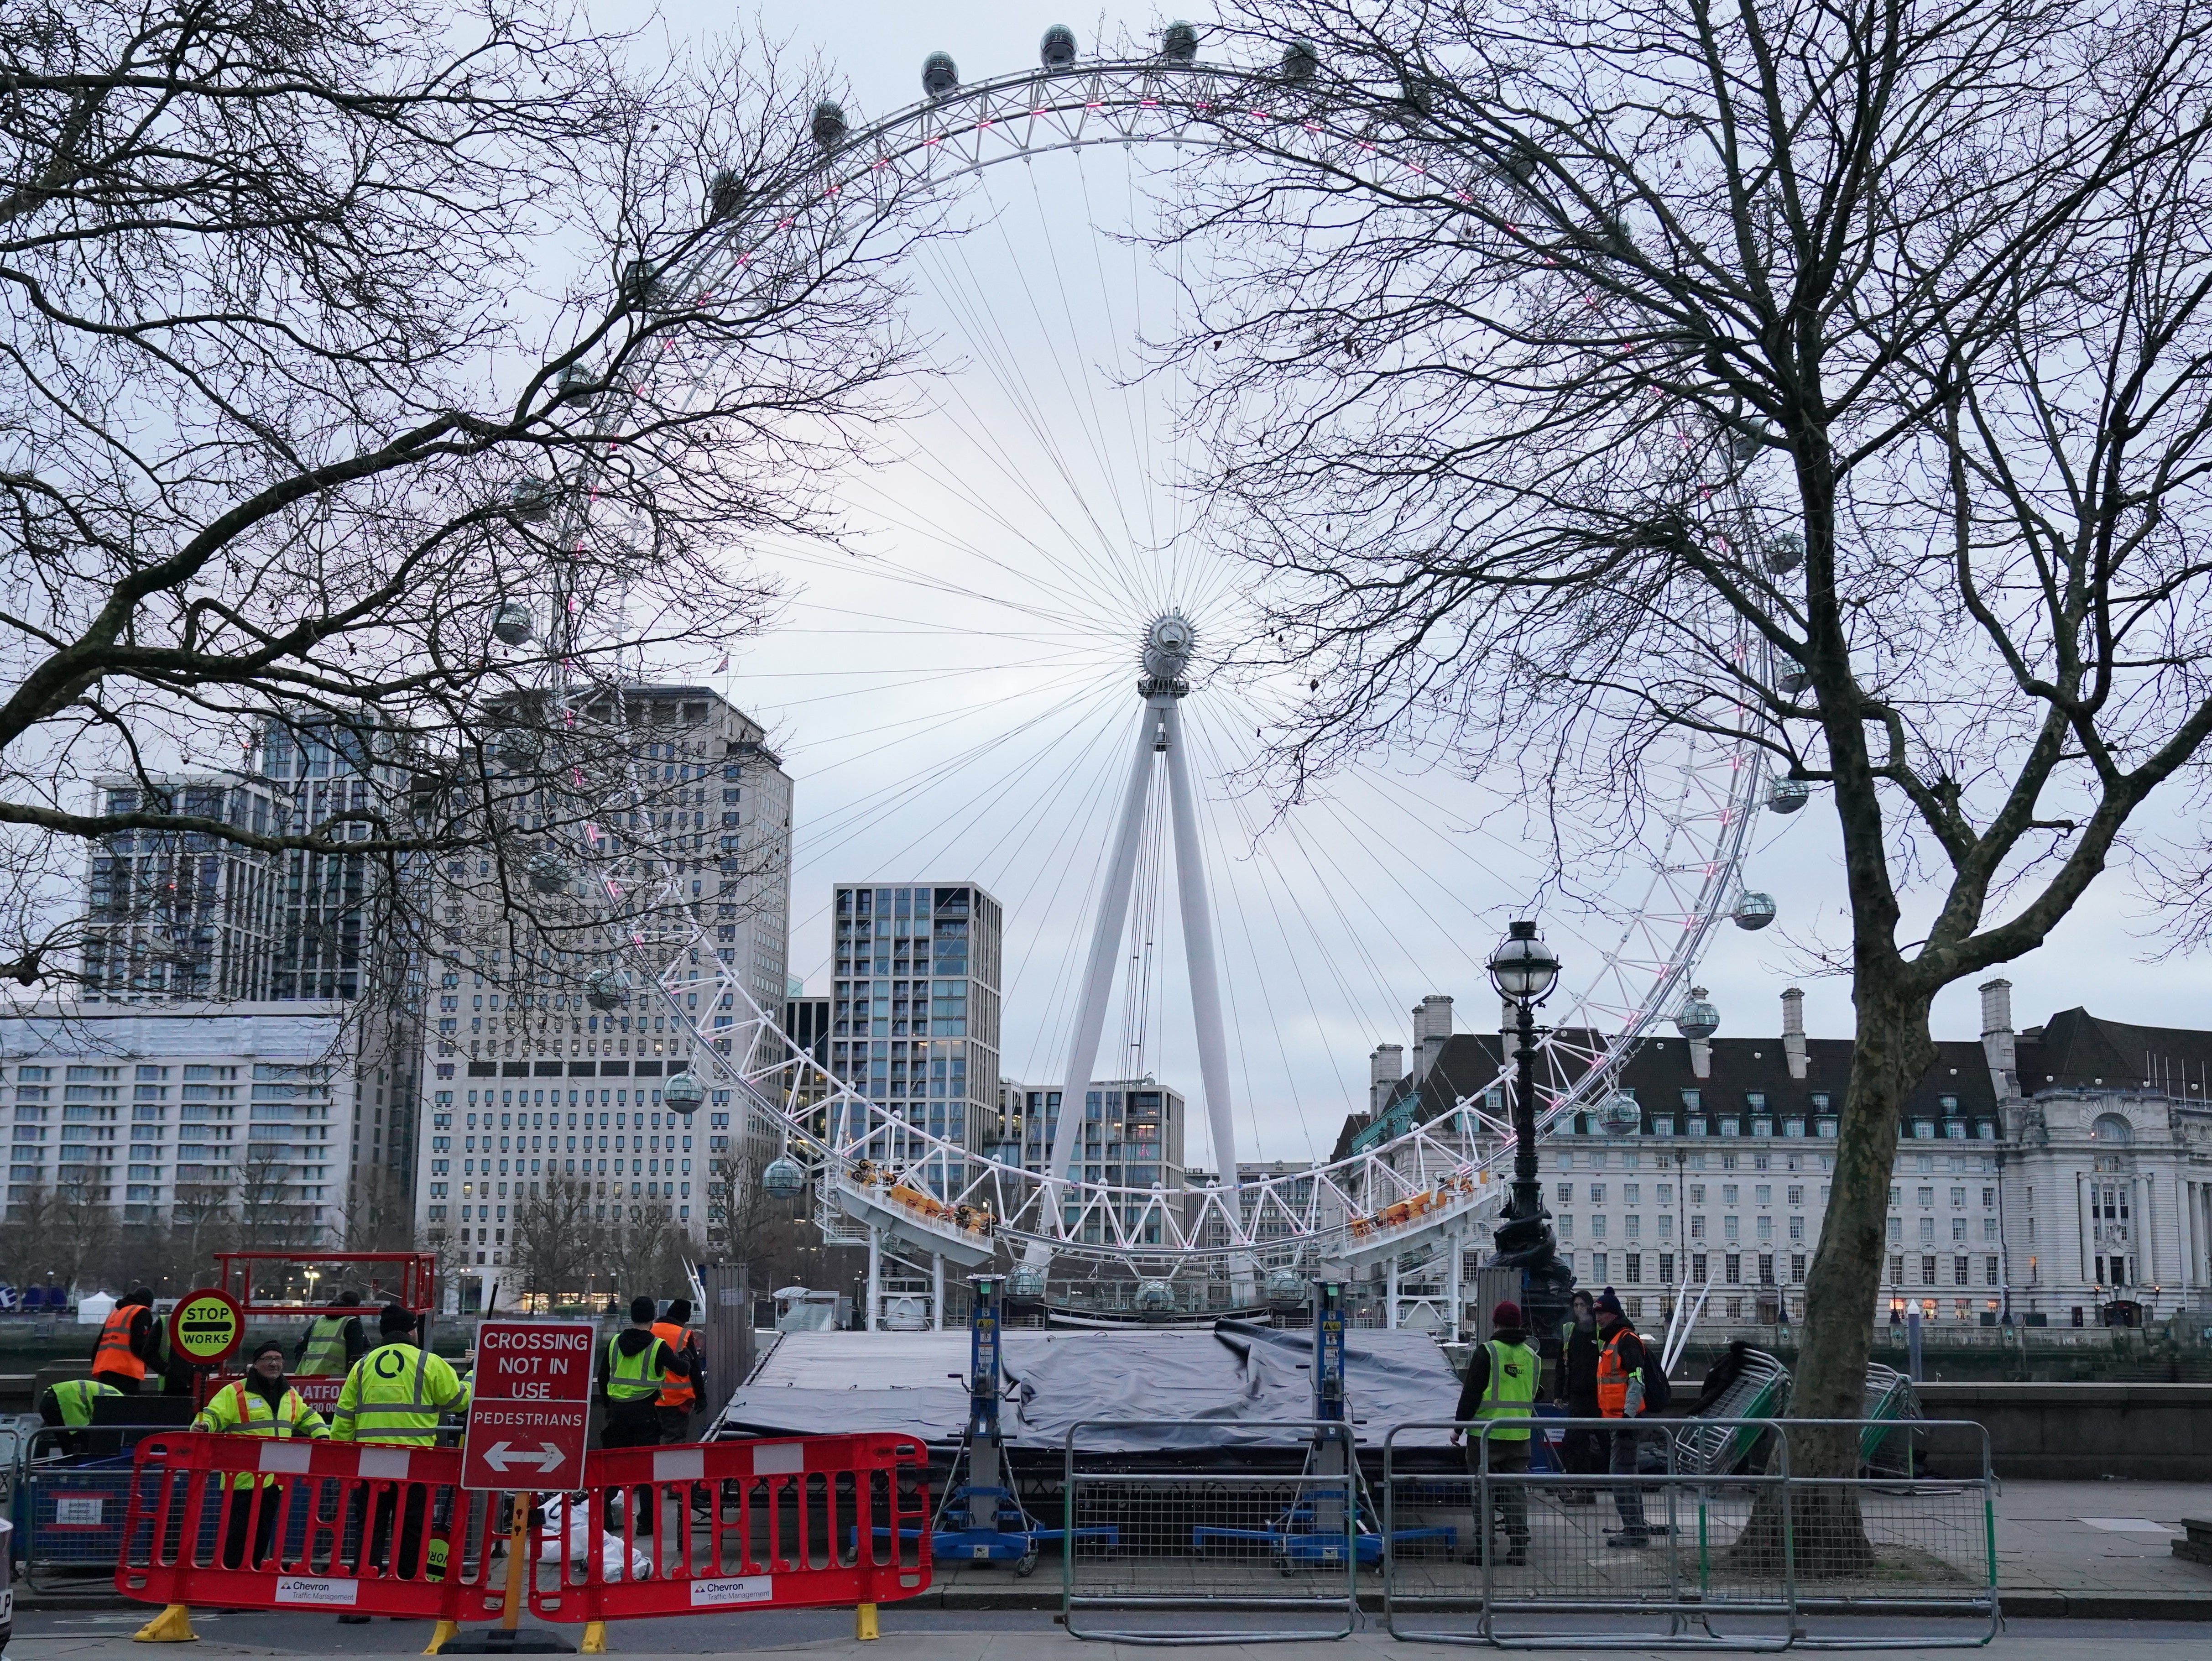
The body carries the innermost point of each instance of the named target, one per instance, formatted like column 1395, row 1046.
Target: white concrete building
column 272, row 1114
column 2059, row 1174
column 526, row 1081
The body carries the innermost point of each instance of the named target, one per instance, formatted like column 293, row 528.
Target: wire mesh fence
column 1652, row 1548
column 1271, row 1528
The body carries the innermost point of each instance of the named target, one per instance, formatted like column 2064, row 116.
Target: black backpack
column 1657, row 1392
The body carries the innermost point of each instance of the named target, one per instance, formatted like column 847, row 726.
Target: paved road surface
column 946, row 1636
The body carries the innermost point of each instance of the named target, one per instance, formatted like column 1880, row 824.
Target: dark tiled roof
column 2074, row 1049
column 1661, row 1071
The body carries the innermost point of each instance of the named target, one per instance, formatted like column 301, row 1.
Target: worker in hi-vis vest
column 393, row 1398
column 637, row 1366
column 1501, row 1383
column 334, row 1340
column 263, row 1403
column 67, row 1407
column 126, row 1342
column 679, row 1392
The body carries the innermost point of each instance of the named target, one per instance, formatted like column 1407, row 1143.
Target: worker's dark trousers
column 1627, row 1499
column 122, row 1381
column 634, row 1426
column 256, row 1509
column 675, row 1424
column 1510, row 1501
column 408, row 1564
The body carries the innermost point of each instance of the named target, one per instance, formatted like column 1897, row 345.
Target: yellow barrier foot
column 864, row 1624
column 174, row 1625
column 595, row 1639
column 446, row 1629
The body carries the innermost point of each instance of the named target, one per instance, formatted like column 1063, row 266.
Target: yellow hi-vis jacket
column 1510, row 1390
column 75, row 1396
column 324, row 1355
column 635, row 1377
column 236, row 1409
column 393, row 1396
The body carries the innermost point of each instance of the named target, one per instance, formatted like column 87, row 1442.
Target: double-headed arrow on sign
column 500, row 1456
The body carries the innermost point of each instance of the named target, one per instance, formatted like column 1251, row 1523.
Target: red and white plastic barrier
column 819, row 1521
column 824, row 1521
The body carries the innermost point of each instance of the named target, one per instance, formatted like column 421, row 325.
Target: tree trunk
column 1891, row 1051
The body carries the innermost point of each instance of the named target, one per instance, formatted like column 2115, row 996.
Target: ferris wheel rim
column 1582, row 1060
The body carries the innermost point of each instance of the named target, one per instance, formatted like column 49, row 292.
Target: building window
column 1827, row 1128
column 1756, row 1100
column 1959, row 1276
column 2111, row 1127
column 1691, row 1100
column 1928, row 1271
column 1732, row 1268
column 1597, row 1267
column 1664, row 1125
column 1797, row 1267
column 1632, row 1267
column 1990, row 1271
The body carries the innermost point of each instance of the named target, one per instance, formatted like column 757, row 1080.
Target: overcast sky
column 961, row 703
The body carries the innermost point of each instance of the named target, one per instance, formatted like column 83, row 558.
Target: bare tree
column 553, row 1244
column 271, row 1215
column 1586, row 378
column 380, row 1214
column 362, row 400
column 646, row 1252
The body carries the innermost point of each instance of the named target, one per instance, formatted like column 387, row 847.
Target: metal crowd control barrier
column 243, row 1523
column 1883, row 1546
column 1737, row 1560
column 69, row 1518
column 814, row 1522
column 1151, row 1532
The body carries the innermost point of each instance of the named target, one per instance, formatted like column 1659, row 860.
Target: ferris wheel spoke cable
column 880, row 803
column 936, row 719
column 1289, row 953
column 1060, row 860
column 1093, row 427
column 946, row 475
column 1138, row 445
column 885, row 569
column 987, row 335
column 1305, row 920
column 967, row 809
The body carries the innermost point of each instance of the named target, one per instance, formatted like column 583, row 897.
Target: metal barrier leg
column 174, row 1625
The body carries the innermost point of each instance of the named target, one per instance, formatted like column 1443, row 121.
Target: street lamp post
column 1524, row 971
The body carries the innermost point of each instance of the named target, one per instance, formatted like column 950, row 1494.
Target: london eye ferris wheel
column 1046, row 533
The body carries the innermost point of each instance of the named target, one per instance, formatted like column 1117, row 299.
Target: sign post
column 205, row 1329
column 529, row 1410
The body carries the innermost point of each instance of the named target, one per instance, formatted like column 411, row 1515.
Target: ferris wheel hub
column 1170, row 640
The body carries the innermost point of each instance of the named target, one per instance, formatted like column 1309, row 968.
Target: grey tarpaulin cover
column 1207, row 1386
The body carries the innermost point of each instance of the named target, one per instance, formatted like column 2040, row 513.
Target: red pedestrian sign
column 530, row 1406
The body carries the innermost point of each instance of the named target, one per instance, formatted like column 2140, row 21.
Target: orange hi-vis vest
column 1613, row 1378
column 113, row 1353
column 676, row 1390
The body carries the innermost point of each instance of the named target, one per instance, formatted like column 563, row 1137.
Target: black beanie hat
column 679, row 1310
column 640, row 1312
column 396, row 1320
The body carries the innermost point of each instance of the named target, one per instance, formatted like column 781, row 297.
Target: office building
column 271, row 1115
column 914, row 1019
column 528, row 1080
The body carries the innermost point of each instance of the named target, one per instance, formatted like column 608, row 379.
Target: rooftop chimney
column 1432, row 1025
column 1386, row 1069
column 1997, row 1040
column 1793, row 1031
